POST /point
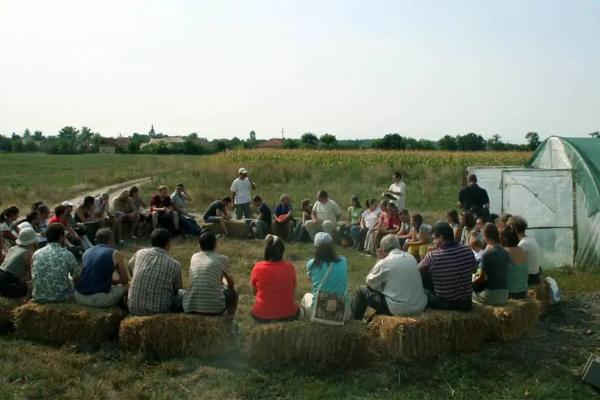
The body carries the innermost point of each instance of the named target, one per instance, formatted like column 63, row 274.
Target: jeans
column 262, row 228
column 441, row 304
column 243, row 210
column 101, row 299
column 358, row 236
column 367, row 297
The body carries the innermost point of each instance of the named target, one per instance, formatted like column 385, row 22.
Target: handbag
column 328, row 308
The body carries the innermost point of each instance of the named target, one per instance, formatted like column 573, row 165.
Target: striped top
column 451, row 267
column 206, row 278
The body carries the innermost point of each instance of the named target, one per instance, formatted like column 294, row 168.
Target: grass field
column 544, row 365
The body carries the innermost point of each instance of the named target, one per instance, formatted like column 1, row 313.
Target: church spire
column 152, row 133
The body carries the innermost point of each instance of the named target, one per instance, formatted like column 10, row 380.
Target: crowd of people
column 73, row 255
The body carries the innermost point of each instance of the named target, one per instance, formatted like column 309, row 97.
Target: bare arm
column 119, row 262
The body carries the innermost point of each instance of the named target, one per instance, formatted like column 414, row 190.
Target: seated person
column 531, row 247
column 353, row 216
column 96, row 286
column 161, row 205
column 179, row 199
column 389, row 222
column 324, row 216
column 406, row 227
column 468, row 225
column 218, row 212
column 419, row 248
column 101, row 209
column 8, row 226
column 15, row 271
column 124, row 213
column 300, row 233
column 368, row 219
column 518, row 269
column 447, row 270
column 53, row 268
column 80, row 229
column 208, row 270
column 73, row 242
column 42, row 222
column 274, row 282
column 394, row 284
column 490, row 284
column 32, row 220
column 283, row 223
column 453, row 221
column 85, row 212
column 142, row 209
column 261, row 225
column 321, row 279
column 156, row 278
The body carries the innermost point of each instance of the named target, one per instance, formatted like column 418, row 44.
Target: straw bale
column 7, row 307
column 67, row 323
column 511, row 321
column 177, row 335
column 237, row 229
column 540, row 293
column 428, row 334
column 301, row 343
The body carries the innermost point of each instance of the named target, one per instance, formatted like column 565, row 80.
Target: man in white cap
column 394, row 284
column 15, row 271
column 241, row 194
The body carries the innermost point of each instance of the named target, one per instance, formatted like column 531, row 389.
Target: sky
column 355, row 69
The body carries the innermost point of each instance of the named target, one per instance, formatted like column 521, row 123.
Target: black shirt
column 265, row 213
column 495, row 265
column 473, row 198
column 212, row 209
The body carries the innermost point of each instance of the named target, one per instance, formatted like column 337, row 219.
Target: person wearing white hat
column 241, row 194
column 333, row 281
column 15, row 271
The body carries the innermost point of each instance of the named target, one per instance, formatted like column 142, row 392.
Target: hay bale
column 301, row 343
column 67, row 324
column 429, row 334
column 177, row 335
column 7, row 307
column 511, row 321
column 540, row 293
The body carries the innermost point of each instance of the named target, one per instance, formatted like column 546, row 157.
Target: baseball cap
column 242, row 171
column 67, row 203
column 322, row 238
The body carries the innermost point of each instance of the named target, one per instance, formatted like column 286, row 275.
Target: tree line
column 71, row 140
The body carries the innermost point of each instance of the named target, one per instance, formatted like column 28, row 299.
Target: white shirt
column 371, row 217
column 242, row 190
column 329, row 211
column 400, row 201
column 24, row 225
column 532, row 248
column 397, row 276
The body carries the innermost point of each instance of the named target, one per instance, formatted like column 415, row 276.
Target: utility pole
column 283, row 137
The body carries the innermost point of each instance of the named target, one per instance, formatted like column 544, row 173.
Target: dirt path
column 112, row 190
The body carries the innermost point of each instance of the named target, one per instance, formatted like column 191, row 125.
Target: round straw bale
column 301, row 343
column 177, row 335
column 67, row 323
column 428, row 334
column 7, row 307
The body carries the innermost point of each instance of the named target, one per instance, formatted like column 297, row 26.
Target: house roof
column 116, row 142
column 271, row 143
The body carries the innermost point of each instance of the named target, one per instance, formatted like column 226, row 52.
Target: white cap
column 322, row 238
column 242, row 171
column 67, row 203
column 26, row 237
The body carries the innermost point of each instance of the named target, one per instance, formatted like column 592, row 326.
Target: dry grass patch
column 307, row 344
column 177, row 335
column 429, row 334
column 67, row 324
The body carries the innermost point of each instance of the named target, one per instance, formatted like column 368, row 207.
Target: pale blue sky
column 355, row 69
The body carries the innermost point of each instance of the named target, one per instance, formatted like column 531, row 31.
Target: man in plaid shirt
column 156, row 278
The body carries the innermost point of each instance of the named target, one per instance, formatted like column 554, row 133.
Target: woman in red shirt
column 274, row 284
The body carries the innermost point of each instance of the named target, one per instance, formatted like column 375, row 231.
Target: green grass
column 543, row 365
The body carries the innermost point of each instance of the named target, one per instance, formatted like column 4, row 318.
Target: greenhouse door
column 545, row 198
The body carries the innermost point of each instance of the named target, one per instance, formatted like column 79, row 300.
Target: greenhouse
column 558, row 193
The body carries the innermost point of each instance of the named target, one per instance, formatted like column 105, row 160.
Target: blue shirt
column 98, row 268
column 282, row 209
column 337, row 281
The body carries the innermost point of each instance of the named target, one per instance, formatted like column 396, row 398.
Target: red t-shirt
column 275, row 283
column 157, row 202
column 57, row 220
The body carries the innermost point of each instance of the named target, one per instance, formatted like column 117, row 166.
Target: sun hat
column 26, row 237
column 242, row 171
column 322, row 238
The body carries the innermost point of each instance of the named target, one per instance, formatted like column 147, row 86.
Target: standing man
column 474, row 199
column 241, row 190
column 397, row 191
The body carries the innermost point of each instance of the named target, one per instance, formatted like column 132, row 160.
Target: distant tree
column 26, row 134
column 235, row 143
column 5, row 144
column 290, row 144
column 495, row 143
column 38, row 136
column 220, row 145
column 328, row 141
column 448, row 143
column 309, row 140
column 595, row 135
column 193, row 136
column 533, row 139
column 470, row 142
column 391, row 141
column 67, row 140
